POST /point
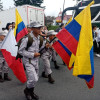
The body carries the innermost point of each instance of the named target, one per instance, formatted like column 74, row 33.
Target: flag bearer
column 46, row 56
column 30, row 60
column 3, row 65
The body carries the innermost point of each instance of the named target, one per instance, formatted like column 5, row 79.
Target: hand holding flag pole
column 45, row 46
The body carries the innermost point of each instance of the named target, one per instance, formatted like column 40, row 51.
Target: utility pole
column 63, row 5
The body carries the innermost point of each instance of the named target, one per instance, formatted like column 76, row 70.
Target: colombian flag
column 69, row 35
column 77, row 37
column 20, row 29
column 84, row 62
column 64, row 53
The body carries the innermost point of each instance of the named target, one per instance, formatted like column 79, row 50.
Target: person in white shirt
column 98, row 42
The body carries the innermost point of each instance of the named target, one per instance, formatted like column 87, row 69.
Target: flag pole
column 45, row 46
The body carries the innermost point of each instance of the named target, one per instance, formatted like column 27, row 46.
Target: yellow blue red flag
column 64, row 53
column 84, row 62
column 20, row 29
column 77, row 37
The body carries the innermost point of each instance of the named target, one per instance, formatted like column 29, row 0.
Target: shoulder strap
column 30, row 41
column 41, row 41
column 19, row 42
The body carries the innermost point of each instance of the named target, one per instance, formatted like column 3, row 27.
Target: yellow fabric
column 72, row 59
column 69, row 21
column 18, row 20
column 82, row 65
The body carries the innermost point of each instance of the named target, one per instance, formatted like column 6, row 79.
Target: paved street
column 66, row 87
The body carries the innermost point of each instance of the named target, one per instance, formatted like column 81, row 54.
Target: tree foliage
column 1, row 7
column 29, row 2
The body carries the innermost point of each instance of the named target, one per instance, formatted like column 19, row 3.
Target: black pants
column 95, row 46
column 98, row 48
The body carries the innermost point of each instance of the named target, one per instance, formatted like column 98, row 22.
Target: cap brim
column 54, row 33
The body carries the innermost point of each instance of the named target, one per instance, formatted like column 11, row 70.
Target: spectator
column 8, row 26
column 43, row 33
column 13, row 25
column 98, row 43
column 94, row 31
column 94, row 28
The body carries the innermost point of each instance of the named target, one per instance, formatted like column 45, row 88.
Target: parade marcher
column 30, row 59
column 29, row 29
column 3, row 64
column 46, row 57
column 54, row 59
column 54, row 55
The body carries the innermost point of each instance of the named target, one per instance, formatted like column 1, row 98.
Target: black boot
column 1, row 79
column 33, row 95
column 56, row 66
column 6, row 77
column 50, row 79
column 27, row 93
column 44, row 75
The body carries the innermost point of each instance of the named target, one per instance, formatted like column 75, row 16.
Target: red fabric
column 90, row 84
column 68, row 40
column 21, row 34
column 15, row 65
column 62, row 53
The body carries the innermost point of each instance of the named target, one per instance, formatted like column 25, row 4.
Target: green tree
column 1, row 7
column 30, row 2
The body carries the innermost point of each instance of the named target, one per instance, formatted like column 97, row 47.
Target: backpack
column 29, row 43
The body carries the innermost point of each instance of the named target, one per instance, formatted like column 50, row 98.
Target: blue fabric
column 68, row 52
column 74, row 29
column 20, row 27
column 86, row 77
column 92, row 60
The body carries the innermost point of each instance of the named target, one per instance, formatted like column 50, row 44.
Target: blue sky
column 52, row 6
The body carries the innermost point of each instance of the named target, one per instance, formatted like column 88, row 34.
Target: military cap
column 35, row 24
column 51, row 32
